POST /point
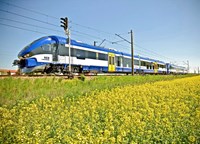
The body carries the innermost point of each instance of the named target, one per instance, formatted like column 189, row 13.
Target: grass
column 14, row 90
column 148, row 109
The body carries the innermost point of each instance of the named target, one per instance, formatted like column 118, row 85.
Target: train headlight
column 27, row 55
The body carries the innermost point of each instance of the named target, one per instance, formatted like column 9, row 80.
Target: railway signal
column 64, row 23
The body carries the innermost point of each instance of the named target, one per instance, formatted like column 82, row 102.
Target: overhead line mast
column 132, row 53
column 132, row 50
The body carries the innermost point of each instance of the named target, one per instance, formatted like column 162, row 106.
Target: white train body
column 51, row 54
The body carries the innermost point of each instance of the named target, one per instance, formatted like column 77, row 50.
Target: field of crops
column 145, row 111
column 13, row 90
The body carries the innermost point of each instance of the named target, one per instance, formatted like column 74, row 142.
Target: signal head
column 64, row 22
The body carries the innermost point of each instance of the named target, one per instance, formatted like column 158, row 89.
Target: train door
column 155, row 67
column 55, row 52
column 168, row 68
column 111, row 62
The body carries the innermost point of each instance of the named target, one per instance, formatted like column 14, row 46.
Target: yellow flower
column 112, row 140
column 147, row 113
column 106, row 133
column 123, row 133
column 191, row 138
column 119, row 138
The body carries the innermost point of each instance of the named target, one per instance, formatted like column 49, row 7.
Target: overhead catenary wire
column 41, row 13
column 90, row 28
column 143, row 53
column 125, row 47
column 144, row 50
column 42, row 28
column 36, row 31
column 6, row 11
column 73, row 23
column 30, row 24
column 152, row 52
column 30, row 10
column 57, row 26
column 47, row 23
column 86, row 34
column 37, row 12
column 22, row 28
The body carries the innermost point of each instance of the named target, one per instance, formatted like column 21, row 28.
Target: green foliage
column 14, row 90
column 82, row 77
column 140, row 112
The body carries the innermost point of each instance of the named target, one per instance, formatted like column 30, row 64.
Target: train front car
column 38, row 55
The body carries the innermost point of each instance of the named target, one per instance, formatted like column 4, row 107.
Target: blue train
column 50, row 54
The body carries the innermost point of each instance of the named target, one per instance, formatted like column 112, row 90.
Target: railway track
column 36, row 76
column 61, row 76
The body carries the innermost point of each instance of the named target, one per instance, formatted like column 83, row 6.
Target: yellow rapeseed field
column 160, row 112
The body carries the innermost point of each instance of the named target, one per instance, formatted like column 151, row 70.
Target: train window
column 136, row 62
column 63, row 51
column 91, row 55
column 80, row 54
column 46, row 48
column 148, row 64
column 126, row 62
column 118, row 60
column 162, row 66
column 113, row 60
column 109, row 60
column 37, row 51
column 28, row 46
column 73, row 52
column 103, row 56
column 143, row 63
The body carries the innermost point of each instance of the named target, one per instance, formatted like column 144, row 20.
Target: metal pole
column 188, row 66
column 132, row 50
column 69, row 44
column 132, row 54
column 95, row 43
column 139, row 64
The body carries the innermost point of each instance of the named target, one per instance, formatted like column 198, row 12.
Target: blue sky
column 168, row 30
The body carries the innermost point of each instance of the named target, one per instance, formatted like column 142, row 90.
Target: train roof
column 61, row 40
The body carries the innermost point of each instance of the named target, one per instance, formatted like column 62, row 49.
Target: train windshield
column 44, row 49
column 24, row 49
